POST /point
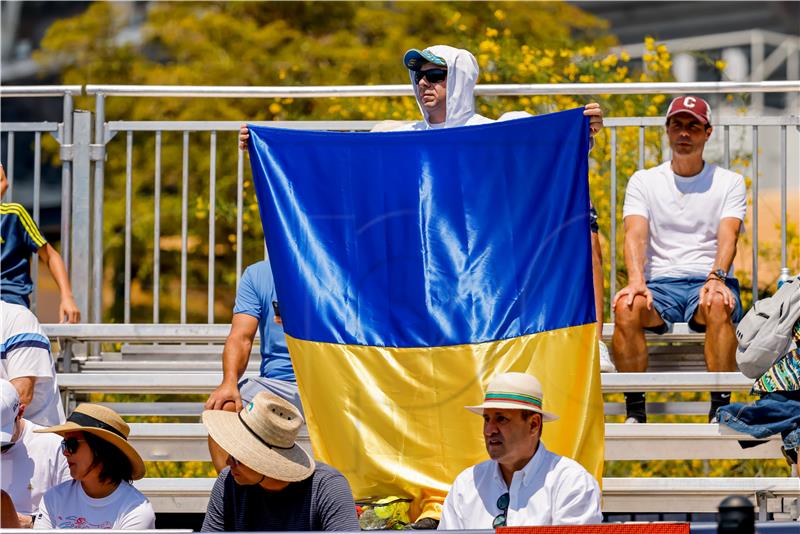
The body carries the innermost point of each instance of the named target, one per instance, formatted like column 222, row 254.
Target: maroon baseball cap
column 694, row 105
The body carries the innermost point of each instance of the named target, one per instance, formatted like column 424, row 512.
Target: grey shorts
column 250, row 387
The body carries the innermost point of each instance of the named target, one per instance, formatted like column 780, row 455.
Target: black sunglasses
column 71, row 445
column 432, row 75
column 502, row 504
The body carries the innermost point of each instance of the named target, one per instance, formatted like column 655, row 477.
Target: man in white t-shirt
column 523, row 484
column 30, row 464
column 28, row 365
column 682, row 221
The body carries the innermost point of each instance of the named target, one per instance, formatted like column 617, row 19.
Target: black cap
column 736, row 516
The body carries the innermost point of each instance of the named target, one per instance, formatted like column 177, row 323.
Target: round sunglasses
column 432, row 75
column 502, row 504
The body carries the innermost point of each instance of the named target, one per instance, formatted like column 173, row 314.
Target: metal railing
column 63, row 134
column 85, row 219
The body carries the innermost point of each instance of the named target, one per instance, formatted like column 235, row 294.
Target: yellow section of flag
column 393, row 419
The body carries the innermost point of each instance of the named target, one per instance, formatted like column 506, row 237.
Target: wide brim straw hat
column 515, row 391
column 107, row 425
column 263, row 437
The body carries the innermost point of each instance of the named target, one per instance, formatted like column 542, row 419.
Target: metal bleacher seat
column 154, row 360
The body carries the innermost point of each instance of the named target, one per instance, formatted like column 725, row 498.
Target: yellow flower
column 610, row 61
column 624, row 56
column 651, row 110
column 483, row 60
column 662, row 49
column 720, row 64
column 500, row 14
column 546, row 62
column 275, row 108
column 658, row 99
column 648, row 58
column 585, row 78
column 571, row 70
column 550, row 53
column 649, row 43
column 282, row 74
column 525, row 101
column 491, row 32
column 565, row 52
column 587, row 51
column 485, row 46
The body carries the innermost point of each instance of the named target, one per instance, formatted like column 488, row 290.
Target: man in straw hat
column 523, row 484
column 271, row 483
column 102, row 464
column 30, row 463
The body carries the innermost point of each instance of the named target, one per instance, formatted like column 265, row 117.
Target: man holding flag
column 406, row 294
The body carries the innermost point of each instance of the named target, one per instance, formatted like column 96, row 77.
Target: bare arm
column 235, row 356
column 727, row 237
column 24, row 386
column 636, row 235
column 67, row 308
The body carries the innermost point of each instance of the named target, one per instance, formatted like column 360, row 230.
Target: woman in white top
column 102, row 464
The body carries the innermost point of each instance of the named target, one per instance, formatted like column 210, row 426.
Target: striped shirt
column 19, row 238
column 323, row 501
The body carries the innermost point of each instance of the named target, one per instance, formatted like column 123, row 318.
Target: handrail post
column 66, row 181
column 81, row 221
column 97, row 215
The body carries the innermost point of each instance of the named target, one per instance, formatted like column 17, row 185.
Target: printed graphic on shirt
column 73, row 521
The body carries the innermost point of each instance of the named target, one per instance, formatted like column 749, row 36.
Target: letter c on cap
column 689, row 101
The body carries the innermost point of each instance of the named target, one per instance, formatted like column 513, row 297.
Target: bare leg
column 628, row 342
column 720, row 341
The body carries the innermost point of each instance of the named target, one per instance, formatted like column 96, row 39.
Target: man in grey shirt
column 271, row 483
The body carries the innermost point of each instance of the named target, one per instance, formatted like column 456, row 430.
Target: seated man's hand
column 222, row 395
column 715, row 286
column 595, row 114
column 626, row 295
column 244, row 136
column 68, row 310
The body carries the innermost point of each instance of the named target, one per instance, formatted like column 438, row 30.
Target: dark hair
column 114, row 465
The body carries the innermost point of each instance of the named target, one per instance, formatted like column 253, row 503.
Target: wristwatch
column 719, row 274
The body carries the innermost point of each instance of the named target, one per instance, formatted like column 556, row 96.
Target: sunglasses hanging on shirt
column 432, row 75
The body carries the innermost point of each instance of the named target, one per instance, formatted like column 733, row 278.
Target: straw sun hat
column 107, row 425
column 262, row 436
column 516, row 391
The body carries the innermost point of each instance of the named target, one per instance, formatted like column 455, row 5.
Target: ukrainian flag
column 412, row 267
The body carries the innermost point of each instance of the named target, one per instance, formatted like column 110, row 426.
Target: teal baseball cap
column 415, row 59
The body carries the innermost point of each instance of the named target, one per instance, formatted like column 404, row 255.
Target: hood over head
column 462, row 75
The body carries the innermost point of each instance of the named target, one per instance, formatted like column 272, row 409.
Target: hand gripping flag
column 412, row 267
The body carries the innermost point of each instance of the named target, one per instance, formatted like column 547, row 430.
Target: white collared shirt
column 549, row 490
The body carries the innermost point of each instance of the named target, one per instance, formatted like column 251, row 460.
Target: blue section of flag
column 432, row 238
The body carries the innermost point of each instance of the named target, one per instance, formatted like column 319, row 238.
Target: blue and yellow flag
column 412, row 267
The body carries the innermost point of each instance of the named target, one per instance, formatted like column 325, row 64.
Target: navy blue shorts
column 676, row 300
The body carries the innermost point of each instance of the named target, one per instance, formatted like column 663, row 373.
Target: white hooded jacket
column 462, row 75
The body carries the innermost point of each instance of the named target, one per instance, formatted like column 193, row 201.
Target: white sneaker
column 631, row 421
column 606, row 365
